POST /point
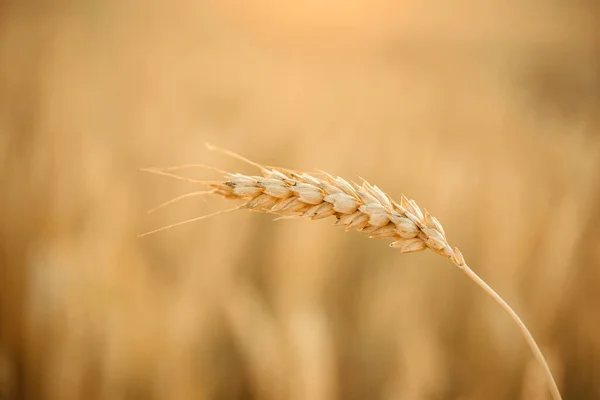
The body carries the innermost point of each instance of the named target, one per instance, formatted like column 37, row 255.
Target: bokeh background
column 485, row 112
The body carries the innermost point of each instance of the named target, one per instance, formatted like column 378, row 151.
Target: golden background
column 485, row 112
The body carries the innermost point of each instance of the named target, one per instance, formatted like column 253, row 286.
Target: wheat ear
column 358, row 207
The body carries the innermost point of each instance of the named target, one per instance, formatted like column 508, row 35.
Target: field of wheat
column 486, row 114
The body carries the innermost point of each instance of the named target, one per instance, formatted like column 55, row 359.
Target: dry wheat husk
column 357, row 207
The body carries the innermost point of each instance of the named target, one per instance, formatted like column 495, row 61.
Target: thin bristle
column 234, row 155
column 183, row 196
column 162, row 172
column 186, row 166
column 189, row 220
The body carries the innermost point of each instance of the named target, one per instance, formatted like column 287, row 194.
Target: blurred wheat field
column 487, row 114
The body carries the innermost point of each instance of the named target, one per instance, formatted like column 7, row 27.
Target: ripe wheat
column 357, row 207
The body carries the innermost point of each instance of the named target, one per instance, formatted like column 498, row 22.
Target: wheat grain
column 358, row 207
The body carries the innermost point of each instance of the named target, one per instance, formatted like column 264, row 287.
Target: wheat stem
column 513, row 315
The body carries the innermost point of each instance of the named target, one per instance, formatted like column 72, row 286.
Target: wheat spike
column 357, row 207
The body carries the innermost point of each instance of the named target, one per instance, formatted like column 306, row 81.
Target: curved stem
column 528, row 337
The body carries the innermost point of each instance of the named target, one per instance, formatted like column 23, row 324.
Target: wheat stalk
column 357, row 207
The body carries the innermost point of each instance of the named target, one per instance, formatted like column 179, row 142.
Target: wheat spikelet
column 357, row 207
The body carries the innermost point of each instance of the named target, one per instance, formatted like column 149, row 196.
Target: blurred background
column 485, row 112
